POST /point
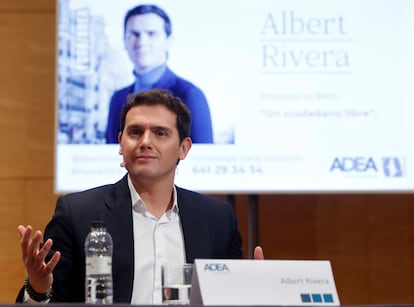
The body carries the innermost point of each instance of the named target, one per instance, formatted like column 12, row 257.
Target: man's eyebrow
column 158, row 127
column 130, row 126
column 134, row 32
column 152, row 127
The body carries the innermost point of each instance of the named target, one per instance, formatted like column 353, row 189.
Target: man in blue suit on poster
column 147, row 39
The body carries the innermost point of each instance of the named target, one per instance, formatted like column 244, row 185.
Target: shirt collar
column 139, row 206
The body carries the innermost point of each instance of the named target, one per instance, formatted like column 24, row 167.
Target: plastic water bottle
column 98, row 274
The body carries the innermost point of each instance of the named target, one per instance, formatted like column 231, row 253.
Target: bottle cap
column 97, row 224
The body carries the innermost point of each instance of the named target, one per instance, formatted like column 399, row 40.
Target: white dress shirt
column 156, row 242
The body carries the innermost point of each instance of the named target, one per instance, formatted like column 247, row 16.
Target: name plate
column 263, row 282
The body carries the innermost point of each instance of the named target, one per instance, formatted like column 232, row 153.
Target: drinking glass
column 176, row 283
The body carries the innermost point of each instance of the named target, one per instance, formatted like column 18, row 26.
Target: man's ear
column 185, row 147
column 170, row 42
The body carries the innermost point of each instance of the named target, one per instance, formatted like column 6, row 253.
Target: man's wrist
column 34, row 295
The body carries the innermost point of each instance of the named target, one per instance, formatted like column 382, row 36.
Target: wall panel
column 27, row 89
column 27, row 93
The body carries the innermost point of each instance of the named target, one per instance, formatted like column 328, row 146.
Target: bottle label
column 98, row 265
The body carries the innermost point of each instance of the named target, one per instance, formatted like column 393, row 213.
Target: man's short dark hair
column 165, row 98
column 147, row 9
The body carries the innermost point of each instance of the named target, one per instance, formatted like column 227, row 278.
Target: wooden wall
column 27, row 91
column 368, row 238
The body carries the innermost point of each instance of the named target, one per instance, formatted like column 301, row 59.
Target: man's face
column 146, row 42
column 150, row 143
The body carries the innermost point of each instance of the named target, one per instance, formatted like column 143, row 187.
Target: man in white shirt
column 152, row 221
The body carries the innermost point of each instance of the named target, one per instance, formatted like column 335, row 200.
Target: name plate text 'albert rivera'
column 263, row 282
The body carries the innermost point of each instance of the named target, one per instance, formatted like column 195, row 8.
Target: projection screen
column 304, row 96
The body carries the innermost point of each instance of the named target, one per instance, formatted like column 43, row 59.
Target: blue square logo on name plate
column 316, row 298
column 305, row 298
column 328, row 298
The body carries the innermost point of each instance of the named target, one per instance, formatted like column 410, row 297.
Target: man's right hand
column 258, row 253
column 39, row 272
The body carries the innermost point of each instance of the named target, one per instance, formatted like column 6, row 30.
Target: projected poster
column 304, row 96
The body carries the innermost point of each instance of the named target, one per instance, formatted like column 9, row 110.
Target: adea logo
column 216, row 267
column 393, row 166
column 354, row 164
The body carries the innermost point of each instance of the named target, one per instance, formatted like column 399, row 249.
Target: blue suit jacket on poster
column 209, row 228
column 192, row 96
